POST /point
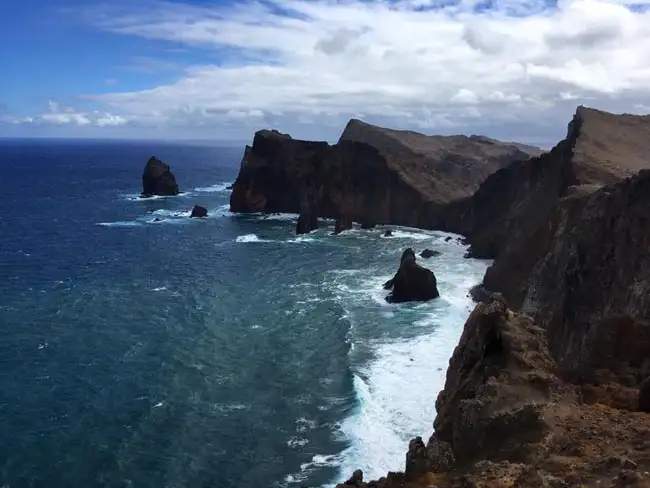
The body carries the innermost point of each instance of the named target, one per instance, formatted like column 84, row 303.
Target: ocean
column 226, row 352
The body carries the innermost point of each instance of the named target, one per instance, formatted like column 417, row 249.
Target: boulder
column 388, row 233
column 412, row 282
column 479, row 293
column 428, row 253
column 199, row 212
column 157, row 179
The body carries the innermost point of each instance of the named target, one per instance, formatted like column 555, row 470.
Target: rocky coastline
column 549, row 385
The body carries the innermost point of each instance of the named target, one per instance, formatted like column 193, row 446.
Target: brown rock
column 600, row 148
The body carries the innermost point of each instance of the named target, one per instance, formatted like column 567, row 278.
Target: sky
column 220, row 70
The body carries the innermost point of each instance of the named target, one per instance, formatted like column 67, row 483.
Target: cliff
column 600, row 148
column 556, row 394
column 372, row 175
column 507, row 418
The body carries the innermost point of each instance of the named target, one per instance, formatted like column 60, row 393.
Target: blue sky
column 204, row 69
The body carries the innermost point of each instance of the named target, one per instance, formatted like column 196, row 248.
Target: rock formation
column 600, row 148
column 412, row 282
column 555, row 393
column 506, row 418
column 308, row 218
column 199, row 212
column 428, row 253
column 157, row 179
column 412, row 175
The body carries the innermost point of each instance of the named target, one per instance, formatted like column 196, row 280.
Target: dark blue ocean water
column 217, row 353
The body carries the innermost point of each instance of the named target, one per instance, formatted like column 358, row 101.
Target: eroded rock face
column 199, row 212
column 157, row 179
column 490, row 389
column 506, row 419
column 568, row 230
column 589, row 286
column 412, row 282
column 600, row 148
column 371, row 175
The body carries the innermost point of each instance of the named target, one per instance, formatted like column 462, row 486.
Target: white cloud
column 430, row 64
column 57, row 115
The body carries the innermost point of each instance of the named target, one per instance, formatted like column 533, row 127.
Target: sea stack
column 412, row 282
column 157, row 179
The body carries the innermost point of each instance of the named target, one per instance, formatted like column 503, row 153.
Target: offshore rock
column 412, row 282
column 199, row 212
column 428, row 253
column 157, row 179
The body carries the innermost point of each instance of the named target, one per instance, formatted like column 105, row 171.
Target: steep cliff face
column 371, row 175
column 507, row 419
column 590, row 284
column 600, row 148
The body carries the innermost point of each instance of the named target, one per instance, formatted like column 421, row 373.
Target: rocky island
column 157, row 179
column 549, row 385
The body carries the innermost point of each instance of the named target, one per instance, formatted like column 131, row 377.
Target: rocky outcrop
column 371, row 175
column 157, row 179
column 428, row 253
column 199, row 212
column 585, row 278
column 600, row 148
column 506, row 418
column 412, row 282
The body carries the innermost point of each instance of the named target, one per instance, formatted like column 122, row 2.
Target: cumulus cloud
column 507, row 67
column 58, row 115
